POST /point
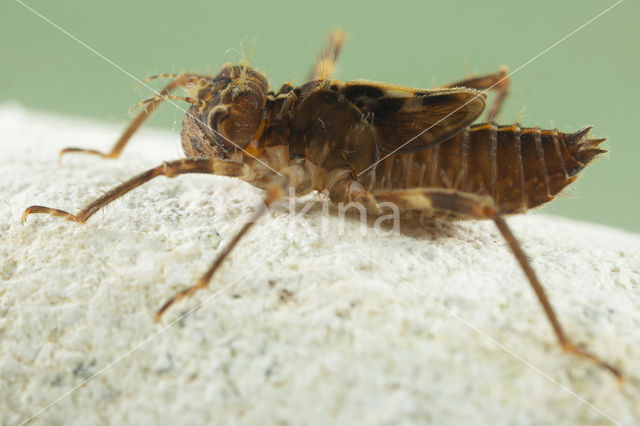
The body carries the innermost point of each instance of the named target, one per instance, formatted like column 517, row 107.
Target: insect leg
column 169, row 169
column 296, row 176
column 326, row 62
column 273, row 194
column 498, row 81
column 180, row 81
column 472, row 206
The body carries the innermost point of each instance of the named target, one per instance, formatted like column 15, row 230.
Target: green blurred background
column 590, row 78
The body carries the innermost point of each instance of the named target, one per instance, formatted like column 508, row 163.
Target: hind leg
column 497, row 81
column 469, row 206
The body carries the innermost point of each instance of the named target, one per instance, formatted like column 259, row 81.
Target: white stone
column 317, row 327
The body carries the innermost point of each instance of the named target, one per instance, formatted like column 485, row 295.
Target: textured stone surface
column 314, row 326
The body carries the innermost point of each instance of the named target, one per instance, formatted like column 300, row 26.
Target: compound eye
column 217, row 115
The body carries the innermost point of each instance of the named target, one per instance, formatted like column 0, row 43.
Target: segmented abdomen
column 520, row 168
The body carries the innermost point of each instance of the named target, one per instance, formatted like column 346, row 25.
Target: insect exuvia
column 368, row 143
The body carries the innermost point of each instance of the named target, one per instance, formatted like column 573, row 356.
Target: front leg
column 180, row 81
column 170, row 169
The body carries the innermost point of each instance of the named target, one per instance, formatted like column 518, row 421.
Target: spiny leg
column 498, row 81
column 326, row 63
column 472, row 206
column 169, row 169
column 180, row 81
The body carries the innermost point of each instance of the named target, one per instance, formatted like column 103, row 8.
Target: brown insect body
column 520, row 168
column 328, row 126
column 364, row 142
